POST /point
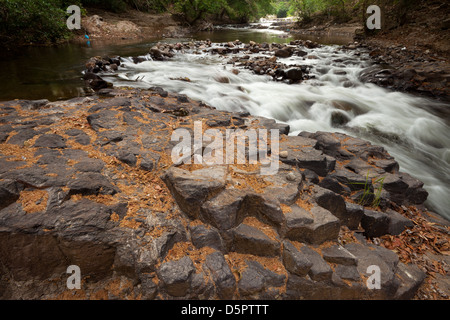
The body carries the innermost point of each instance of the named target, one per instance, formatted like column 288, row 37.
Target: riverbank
column 90, row 182
column 130, row 25
column 413, row 57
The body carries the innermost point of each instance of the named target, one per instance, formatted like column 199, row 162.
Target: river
column 334, row 101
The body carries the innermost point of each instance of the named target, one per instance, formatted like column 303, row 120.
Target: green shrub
column 37, row 21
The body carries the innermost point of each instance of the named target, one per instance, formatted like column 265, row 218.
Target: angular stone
column 320, row 270
column 325, row 226
column 23, row 135
column 149, row 161
column 331, row 201
column 222, row 276
column 127, row 156
column 340, row 255
column 192, row 189
column 412, row 278
column 326, row 141
column 9, row 192
column 176, row 276
column 50, row 141
column 251, row 282
column 393, row 183
column 352, row 180
column 314, row 160
column 110, row 136
column 384, row 259
column 355, row 213
column 271, row 279
column 50, row 156
column 295, row 219
column 415, row 194
column 388, row 165
column 375, row 223
column 90, row 165
column 256, row 279
column 347, row 272
column 204, row 237
column 270, row 124
column 105, row 119
column 266, row 207
column 91, row 183
column 222, row 210
column 333, row 184
column 397, row 223
column 362, row 167
column 294, row 261
column 247, row 239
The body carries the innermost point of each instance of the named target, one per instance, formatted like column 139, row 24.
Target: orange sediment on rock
column 266, row 229
column 237, row 263
column 33, row 201
column 285, row 208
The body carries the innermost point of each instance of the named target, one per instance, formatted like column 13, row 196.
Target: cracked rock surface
column 90, row 182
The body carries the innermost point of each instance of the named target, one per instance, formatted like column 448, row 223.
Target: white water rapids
column 418, row 139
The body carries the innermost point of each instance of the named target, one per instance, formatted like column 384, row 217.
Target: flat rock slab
column 247, row 239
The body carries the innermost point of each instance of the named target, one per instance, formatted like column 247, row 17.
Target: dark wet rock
column 295, row 261
column 50, row 141
column 9, row 192
column 397, row 223
column 412, row 278
column 256, row 278
column 222, row 210
column 103, row 120
column 347, row 272
column 340, row 255
column 192, row 189
column 206, row 237
column 324, row 226
column 355, row 213
column 222, row 276
column 90, row 165
column 79, row 136
column 176, row 276
column 333, row 184
column 339, row 119
column 331, row 201
column 375, row 223
column 22, row 136
column 91, row 183
column 247, row 239
column 319, row 270
column 352, row 180
column 294, row 74
column 162, row 93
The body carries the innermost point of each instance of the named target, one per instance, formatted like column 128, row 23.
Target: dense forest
column 44, row 21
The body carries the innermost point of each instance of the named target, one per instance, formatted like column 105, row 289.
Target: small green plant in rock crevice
column 369, row 197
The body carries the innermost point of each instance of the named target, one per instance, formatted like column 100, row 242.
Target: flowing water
column 334, row 101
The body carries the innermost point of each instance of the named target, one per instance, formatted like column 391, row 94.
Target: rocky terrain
column 90, row 182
